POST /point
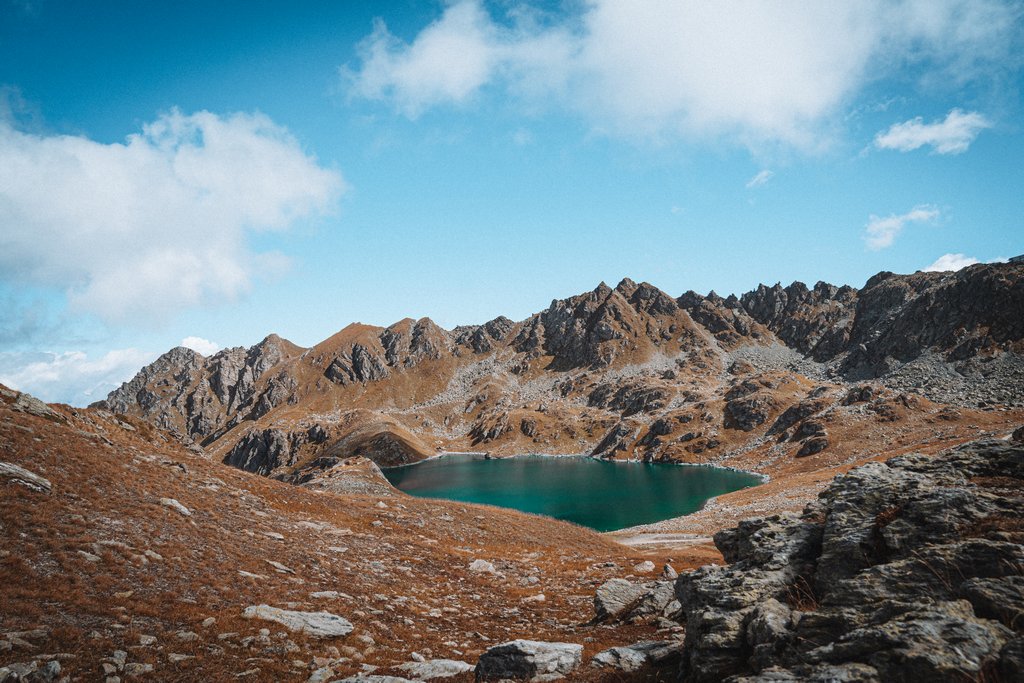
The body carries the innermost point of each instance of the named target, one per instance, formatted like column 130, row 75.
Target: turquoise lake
column 593, row 493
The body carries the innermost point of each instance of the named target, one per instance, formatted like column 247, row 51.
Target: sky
column 205, row 174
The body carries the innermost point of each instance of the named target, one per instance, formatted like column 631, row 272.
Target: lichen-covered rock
column 905, row 570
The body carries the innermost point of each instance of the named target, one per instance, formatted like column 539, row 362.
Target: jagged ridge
column 608, row 368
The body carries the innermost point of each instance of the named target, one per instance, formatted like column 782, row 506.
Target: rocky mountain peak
column 626, row 287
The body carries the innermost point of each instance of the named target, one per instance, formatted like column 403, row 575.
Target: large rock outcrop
column 905, row 570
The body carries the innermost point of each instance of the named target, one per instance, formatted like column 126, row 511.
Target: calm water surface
column 595, row 493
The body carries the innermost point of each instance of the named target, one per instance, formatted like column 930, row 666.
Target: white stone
column 175, row 505
column 435, row 668
column 481, row 566
column 319, row 624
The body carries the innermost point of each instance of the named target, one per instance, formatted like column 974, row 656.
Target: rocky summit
column 226, row 518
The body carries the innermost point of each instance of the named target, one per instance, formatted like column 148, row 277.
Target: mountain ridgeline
column 619, row 372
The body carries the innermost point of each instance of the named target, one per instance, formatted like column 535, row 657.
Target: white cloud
column 71, row 377
column 200, row 345
column 948, row 262
column 449, row 60
column 950, row 136
column 758, row 71
column 156, row 224
column 760, row 179
column 881, row 232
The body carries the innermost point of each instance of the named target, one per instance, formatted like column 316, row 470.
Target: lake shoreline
column 573, row 487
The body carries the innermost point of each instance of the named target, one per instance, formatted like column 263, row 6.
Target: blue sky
column 214, row 172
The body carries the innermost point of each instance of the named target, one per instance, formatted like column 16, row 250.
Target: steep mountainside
column 780, row 379
column 126, row 556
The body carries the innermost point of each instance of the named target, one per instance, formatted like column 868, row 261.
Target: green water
column 597, row 494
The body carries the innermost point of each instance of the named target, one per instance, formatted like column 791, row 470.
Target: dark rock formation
column 593, row 329
column 360, row 365
column 618, row 438
column 632, row 397
column 528, row 660
column 265, row 450
column 905, row 570
column 747, row 405
column 482, row 338
column 813, row 321
column 795, row 414
column 812, row 445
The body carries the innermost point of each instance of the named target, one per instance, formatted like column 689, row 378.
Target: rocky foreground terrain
column 225, row 518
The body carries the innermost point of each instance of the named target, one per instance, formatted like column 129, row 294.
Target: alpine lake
column 599, row 494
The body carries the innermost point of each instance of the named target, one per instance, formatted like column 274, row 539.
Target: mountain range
column 779, row 380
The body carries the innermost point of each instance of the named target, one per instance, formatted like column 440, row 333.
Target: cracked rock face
column 905, row 570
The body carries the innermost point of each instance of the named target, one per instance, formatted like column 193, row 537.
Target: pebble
column 137, row 669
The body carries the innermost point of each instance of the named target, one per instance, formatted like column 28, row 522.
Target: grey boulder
column 529, row 660
column 318, row 624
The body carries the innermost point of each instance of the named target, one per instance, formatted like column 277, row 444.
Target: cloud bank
column 70, row 377
column 950, row 136
column 881, row 232
column 158, row 223
column 758, row 71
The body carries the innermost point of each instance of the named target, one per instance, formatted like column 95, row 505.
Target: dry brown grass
column 105, row 502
